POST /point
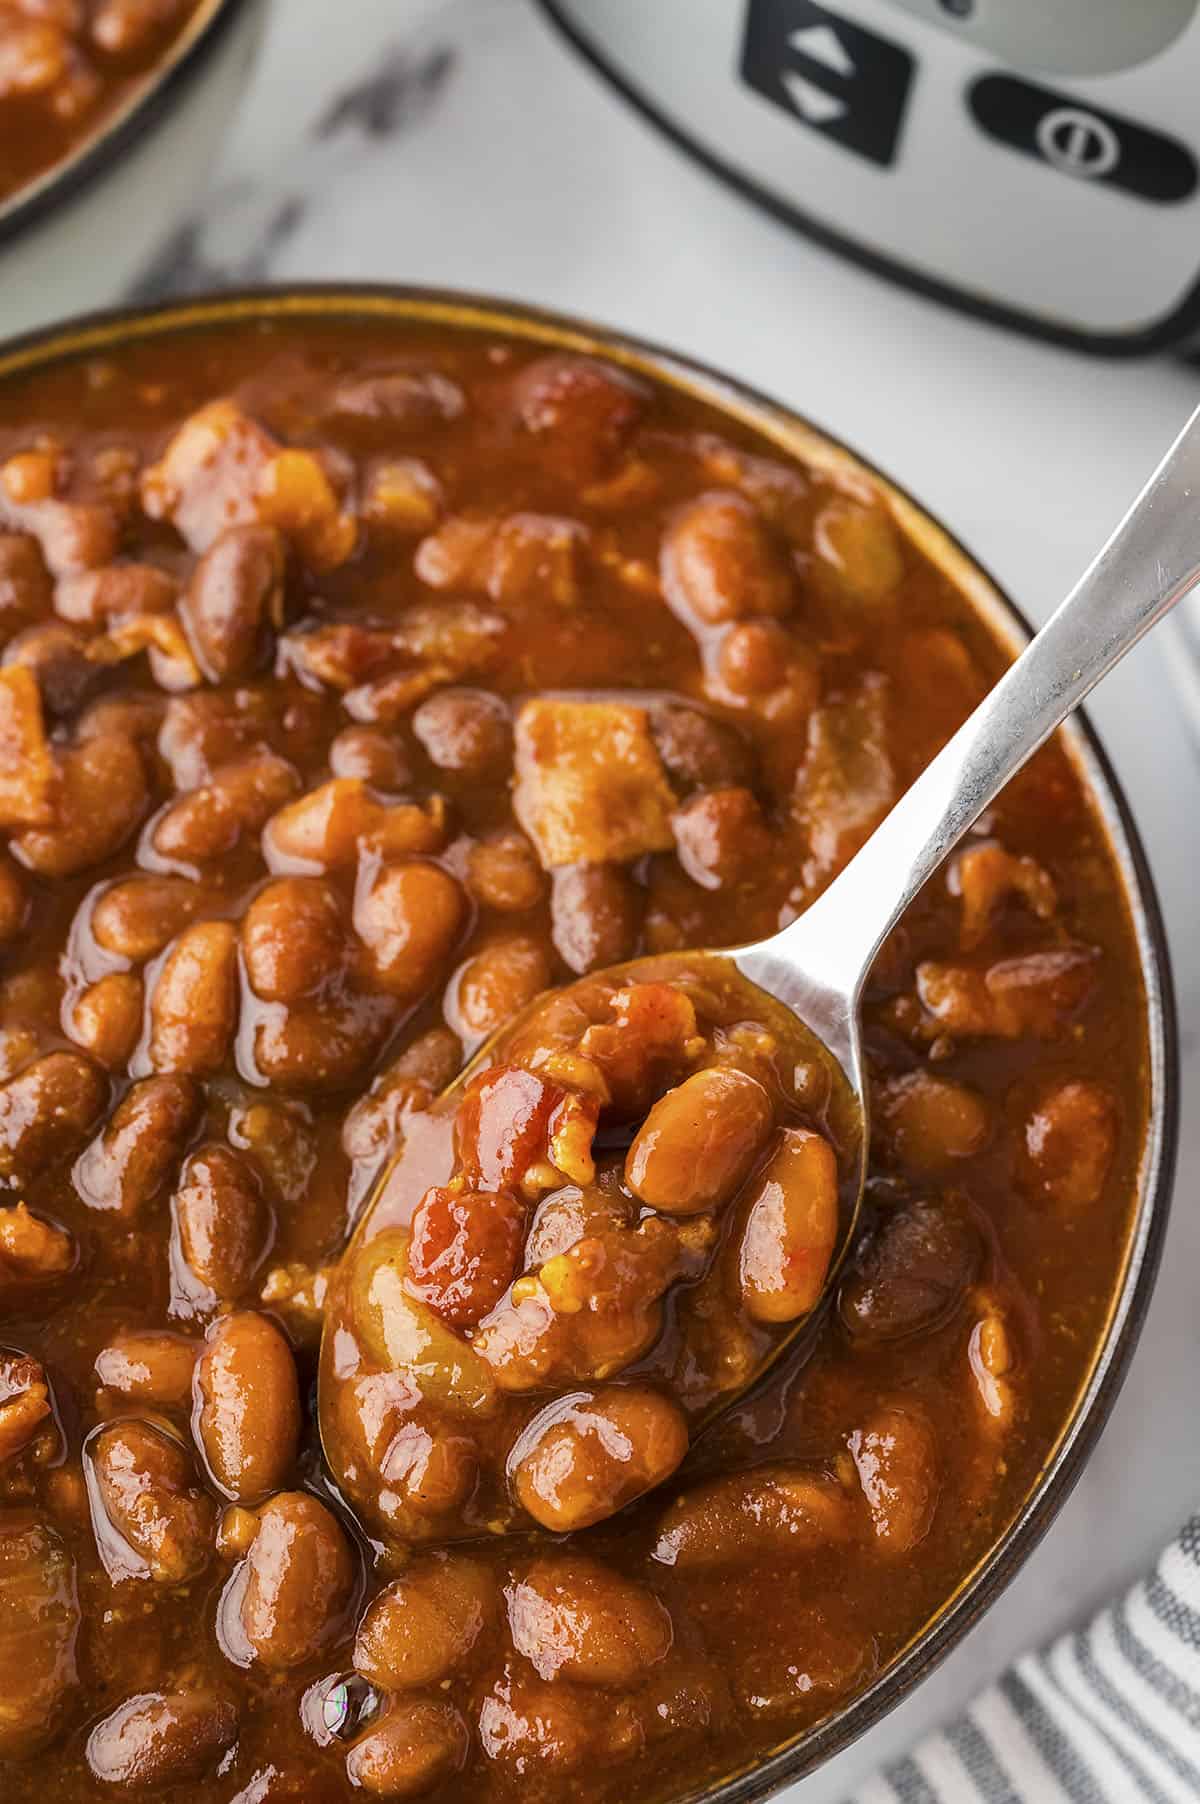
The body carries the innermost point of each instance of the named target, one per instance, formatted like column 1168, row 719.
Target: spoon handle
column 1151, row 561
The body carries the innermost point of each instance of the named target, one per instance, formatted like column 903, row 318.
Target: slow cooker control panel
column 1048, row 166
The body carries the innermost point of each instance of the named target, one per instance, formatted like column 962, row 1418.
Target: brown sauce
column 358, row 684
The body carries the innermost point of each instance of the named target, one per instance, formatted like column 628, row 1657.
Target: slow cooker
column 1036, row 162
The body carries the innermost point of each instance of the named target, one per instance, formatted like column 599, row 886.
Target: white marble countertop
column 457, row 142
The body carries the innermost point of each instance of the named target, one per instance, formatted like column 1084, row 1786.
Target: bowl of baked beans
column 108, row 109
column 382, row 671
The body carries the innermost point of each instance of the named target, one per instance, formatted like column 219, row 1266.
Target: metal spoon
column 813, row 972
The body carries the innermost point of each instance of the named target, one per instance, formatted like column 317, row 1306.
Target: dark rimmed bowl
column 77, row 235
column 1114, row 1348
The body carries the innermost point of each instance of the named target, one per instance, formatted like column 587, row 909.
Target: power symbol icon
column 1078, row 142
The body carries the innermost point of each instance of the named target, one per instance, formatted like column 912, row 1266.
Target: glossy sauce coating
column 357, row 686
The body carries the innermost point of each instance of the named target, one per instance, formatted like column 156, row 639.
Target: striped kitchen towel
column 1108, row 1715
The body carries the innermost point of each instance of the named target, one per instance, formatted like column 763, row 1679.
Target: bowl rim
column 799, row 437
column 117, row 133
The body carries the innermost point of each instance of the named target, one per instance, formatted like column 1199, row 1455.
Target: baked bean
column 493, row 986
column 105, row 1019
column 239, row 800
column 431, row 1474
column 720, row 562
column 325, row 829
column 141, row 915
column 246, row 1406
column 698, row 751
column 150, row 1518
column 25, row 587
column 294, row 1593
column 32, row 1249
column 465, row 1250
column 324, row 1043
column 292, row 938
column 46, row 1110
column 820, row 1654
column 791, row 1228
column 193, row 1005
column 786, row 1511
column 371, row 756
column 574, row 1618
column 162, row 1738
column 234, row 596
column 595, row 915
column 721, row 838
column 859, row 552
column 409, row 1750
column 411, row 1081
column 424, row 1626
column 698, row 1142
column 466, row 731
column 26, row 1406
column 911, row 1275
column 151, row 1366
column 928, row 1122
column 534, row 1729
column 30, row 1006
column 93, row 597
column 205, row 730
column 581, row 409
column 409, row 918
column 587, row 1455
column 103, row 796
column 757, row 657
column 139, row 1150
column 39, row 1622
column 665, row 681
column 221, row 1221
column 680, row 1698
column 58, row 657
column 278, row 1136
column 503, row 872
column 896, row 1457
column 1070, row 1140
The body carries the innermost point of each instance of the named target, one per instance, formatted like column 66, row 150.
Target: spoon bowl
column 686, row 1336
